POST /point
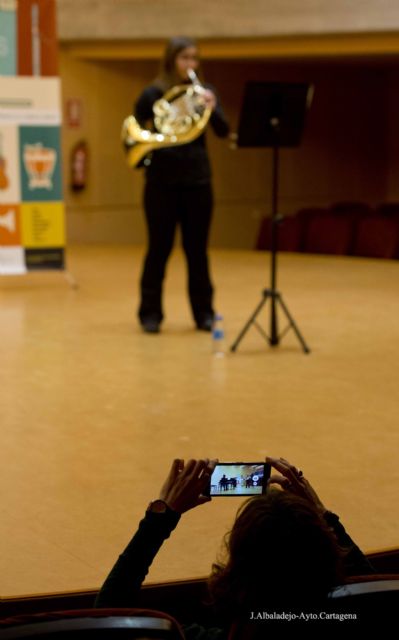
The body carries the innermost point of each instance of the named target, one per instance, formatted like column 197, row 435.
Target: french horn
column 180, row 116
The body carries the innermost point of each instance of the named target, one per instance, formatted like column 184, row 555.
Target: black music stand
column 273, row 115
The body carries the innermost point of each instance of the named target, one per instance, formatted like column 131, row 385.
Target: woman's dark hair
column 167, row 76
column 280, row 552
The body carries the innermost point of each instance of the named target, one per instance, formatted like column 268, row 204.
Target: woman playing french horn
column 178, row 187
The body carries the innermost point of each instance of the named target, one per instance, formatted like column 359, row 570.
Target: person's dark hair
column 280, row 552
column 168, row 77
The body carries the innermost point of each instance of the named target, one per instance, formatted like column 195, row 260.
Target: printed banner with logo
column 32, row 222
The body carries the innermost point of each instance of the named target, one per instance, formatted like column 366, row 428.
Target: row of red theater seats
column 345, row 228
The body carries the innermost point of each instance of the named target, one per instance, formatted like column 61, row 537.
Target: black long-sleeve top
column 186, row 164
column 123, row 583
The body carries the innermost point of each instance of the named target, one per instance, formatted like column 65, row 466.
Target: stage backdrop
column 32, row 219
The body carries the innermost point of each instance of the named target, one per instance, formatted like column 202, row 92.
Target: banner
column 32, row 219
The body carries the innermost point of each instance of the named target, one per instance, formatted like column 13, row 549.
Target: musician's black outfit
column 178, row 190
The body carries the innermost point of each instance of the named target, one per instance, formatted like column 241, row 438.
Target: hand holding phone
column 186, row 484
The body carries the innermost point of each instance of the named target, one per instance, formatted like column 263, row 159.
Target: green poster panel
column 40, row 164
column 8, row 39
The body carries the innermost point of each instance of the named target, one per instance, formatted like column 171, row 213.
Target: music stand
column 273, row 115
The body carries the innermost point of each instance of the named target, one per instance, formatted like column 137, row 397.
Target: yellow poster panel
column 42, row 224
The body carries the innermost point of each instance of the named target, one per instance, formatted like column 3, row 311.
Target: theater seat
column 389, row 209
column 329, row 234
column 290, row 232
column 263, row 239
column 351, row 208
column 373, row 599
column 377, row 237
column 367, row 603
column 306, row 214
column 369, row 588
column 135, row 624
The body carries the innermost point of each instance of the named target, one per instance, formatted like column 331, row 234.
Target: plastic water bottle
column 218, row 343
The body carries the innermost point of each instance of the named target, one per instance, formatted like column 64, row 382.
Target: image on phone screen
column 239, row 479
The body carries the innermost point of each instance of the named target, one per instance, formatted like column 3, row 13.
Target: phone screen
column 239, row 479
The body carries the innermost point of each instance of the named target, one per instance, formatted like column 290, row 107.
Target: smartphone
column 239, row 479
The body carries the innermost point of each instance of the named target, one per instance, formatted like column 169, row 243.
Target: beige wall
column 349, row 148
column 109, row 208
column 127, row 19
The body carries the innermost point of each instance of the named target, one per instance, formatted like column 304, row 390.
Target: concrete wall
column 128, row 19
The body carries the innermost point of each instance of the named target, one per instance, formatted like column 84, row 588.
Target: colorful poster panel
column 30, row 101
column 10, row 190
column 43, row 234
column 37, row 38
column 32, row 233
column 10, row 226
column 12, row 255
column 43, row 224
column 40, row 164
column 8, row 37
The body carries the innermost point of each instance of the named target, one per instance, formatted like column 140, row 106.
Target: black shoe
column 151, row 325
column 205, row 324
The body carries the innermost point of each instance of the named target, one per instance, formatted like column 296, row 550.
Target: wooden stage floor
column 93, row 410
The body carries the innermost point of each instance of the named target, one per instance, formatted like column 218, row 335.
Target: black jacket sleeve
column 123, row 583
column 218, row 119
column 355, row 562
column 142, row 110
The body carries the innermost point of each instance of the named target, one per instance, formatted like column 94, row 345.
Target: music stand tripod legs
column 274, row 338
column 272, row 293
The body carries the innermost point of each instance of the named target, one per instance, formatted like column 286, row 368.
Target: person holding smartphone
column 285, row 548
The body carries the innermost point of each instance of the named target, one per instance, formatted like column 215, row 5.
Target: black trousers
column 166, row 207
